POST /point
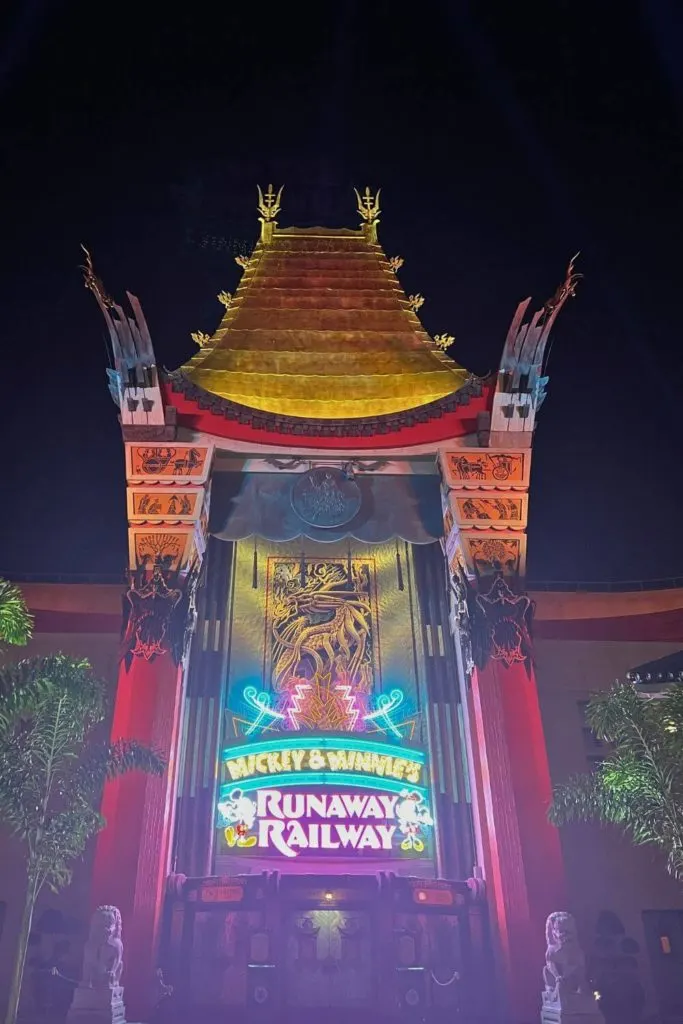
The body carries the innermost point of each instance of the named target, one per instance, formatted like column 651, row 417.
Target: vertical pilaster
column 485, row 513
column 168, row 511
column 452, row 792
column 203, row 716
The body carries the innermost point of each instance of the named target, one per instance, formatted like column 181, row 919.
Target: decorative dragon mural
column 323, row 628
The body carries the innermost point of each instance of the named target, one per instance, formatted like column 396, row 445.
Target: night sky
column 505, row 137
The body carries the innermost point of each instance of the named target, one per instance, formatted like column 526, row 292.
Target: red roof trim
column 430, row 425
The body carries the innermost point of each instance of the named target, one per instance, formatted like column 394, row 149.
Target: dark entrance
column 328, row 959
column 377, row 947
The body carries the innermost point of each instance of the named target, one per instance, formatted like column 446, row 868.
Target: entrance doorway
column 329, row 959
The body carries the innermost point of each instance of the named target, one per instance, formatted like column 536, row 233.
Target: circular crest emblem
column 324, row 497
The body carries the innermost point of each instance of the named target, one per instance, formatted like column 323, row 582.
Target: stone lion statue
column 564, row 973
column 103, row 954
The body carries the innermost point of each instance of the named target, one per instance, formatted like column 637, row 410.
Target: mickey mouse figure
column 413, row 815
column 238, row 814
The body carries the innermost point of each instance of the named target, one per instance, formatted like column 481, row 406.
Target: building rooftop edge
column 532, row 586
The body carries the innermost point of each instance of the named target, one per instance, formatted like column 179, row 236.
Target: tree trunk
column 20, row 957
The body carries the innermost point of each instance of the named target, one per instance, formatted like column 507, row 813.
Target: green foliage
column 639, row 785
column 52, row 765
column 16, row 624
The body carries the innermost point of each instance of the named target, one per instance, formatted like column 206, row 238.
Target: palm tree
column 52, row 769
column 16, row 623
column 639, row 785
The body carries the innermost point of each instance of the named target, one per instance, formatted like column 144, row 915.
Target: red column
column 132, row 855
column 523, row 861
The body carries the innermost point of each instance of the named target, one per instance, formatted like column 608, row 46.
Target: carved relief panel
column 485, row 467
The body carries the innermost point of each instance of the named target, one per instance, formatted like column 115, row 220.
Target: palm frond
column 16, row 622
column 585, row 798
column 110, row 760
column 52, row 766
column 129, row 755
column 639, row 786
column 28, row 682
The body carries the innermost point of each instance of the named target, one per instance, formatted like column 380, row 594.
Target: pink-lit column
column 132, row 855
column 523, row 862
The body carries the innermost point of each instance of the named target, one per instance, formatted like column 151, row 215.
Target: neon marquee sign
column 324, row 796
column 290, row 823
column 294, row 760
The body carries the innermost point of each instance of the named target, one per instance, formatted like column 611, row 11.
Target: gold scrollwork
column 368, row 205
column 269, row 204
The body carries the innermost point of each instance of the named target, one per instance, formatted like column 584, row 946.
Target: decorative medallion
column 326, row 497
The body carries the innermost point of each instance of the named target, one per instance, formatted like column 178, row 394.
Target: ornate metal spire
column 93, row 283
column 269, row 207
column 522, row 377
column 134, row 378
column 368, row 208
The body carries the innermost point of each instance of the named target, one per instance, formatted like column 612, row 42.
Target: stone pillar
column 132, row 856
column 485, row 512
column 523, row 862
column 167, row 506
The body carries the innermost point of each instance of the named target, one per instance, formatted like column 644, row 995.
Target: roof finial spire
column 93, row 283
column 368, row 208
column 268, row 207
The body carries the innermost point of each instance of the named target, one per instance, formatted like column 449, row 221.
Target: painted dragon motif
column 323, row 630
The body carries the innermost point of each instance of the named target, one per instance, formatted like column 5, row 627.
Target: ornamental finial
column 415, row 302
column 200, row 338
column 443, row 341
column 368, row 208
column 567, row 290
column 93, row 283
column 269, row 207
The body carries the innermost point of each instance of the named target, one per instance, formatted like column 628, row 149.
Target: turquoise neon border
column 322, row 779
column 322, row 743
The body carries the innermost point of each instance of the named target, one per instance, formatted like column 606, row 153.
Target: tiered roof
column 321, row 344
column 320, row 328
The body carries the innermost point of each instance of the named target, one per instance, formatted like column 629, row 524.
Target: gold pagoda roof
column 320, row 328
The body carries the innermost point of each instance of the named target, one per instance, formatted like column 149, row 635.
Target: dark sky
column 505, row 137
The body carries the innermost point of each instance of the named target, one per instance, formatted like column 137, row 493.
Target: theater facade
column 327, row 635
column 327, row 632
